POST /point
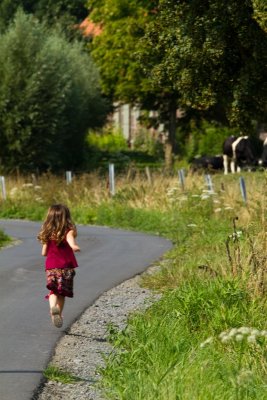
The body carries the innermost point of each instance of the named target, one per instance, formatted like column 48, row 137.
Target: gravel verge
column 80, row 351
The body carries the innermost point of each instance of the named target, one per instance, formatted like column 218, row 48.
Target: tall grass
column 4, row 239
column 212, row 281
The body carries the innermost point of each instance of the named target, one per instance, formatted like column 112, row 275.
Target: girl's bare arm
column 44, row 250
column 71, row 240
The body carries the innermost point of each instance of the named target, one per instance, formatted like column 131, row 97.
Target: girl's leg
column 56, row 300
column 60, row 303
column 53, row 299
column 56, row 306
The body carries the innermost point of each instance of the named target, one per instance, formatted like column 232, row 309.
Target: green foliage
column 53, row 373
column 211, row 53
column 109, row 146
column 207, row 139
column 49, row 97
column 61, row 13
column 146, row 143
column 260, row 13
column 116, row 52
column 162, row 354
column 108, row 140
column 115, row 49
column 3, row 238
column 199, row 56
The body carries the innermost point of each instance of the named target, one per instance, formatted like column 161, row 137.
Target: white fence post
column 243, row 189
column 209, row 182
column 68, row 177
column 111, row 179
column 181, row 177
column 3, row 187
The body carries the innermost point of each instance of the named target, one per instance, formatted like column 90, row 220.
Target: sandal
column 56, row 317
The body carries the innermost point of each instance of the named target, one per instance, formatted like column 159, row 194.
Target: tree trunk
column 170, row 142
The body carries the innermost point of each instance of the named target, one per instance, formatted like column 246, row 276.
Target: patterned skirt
column 60, row 281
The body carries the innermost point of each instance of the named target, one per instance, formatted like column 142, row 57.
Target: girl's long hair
column 56, row 225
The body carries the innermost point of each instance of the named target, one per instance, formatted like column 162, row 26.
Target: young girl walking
column 58, row 235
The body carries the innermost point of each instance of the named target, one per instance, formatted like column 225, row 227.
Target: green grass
column 53, row 373
column 160, row 355
column 4, row 239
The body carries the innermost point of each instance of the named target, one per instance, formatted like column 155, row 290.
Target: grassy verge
column 206, row 337
column 4, row 239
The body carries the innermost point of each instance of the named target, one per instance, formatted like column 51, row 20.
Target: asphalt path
column 27, row 337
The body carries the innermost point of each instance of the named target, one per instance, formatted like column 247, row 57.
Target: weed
column 53, row 373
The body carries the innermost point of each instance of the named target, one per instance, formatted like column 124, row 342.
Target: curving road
column 27, row 337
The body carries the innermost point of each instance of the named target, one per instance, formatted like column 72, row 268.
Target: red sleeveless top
column 60, row 256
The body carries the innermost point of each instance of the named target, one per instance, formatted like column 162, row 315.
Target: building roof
column 89, row 28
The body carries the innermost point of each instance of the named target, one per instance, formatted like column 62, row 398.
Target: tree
column 212, row 53
column 49, row 97
column 117, row 53
column 63, row 13
column 203, row 56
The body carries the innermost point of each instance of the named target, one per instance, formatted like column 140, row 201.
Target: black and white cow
column 237, row 151
column 207, row 163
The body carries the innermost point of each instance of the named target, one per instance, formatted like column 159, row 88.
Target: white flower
column 252, row 339
column 205, row 196
column 255, row 332
column 195, row 195
column 233, row 332
column 217, row 210
column 13, row 191
column 225, row 339
column 222, row 334
column 27, row 185
column 228, row 208
column 192, row 225
column 245, row 330
column 208, row 341
column 239, row 337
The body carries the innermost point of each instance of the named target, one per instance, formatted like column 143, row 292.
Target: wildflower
column 13, row 191
column 208, row 341
column 183, row 198
column 225, row 339
column 217, row 210
column 236, row 235
column 192, row 225
column 222, row 334
column 252, row 339
column 244, row 330
column 228, row 208
column 233, row 332
column 244, row 376
column 255, row 332
column 27, row 185
column 195, row 195
column 239, row 337
column 205, row 196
